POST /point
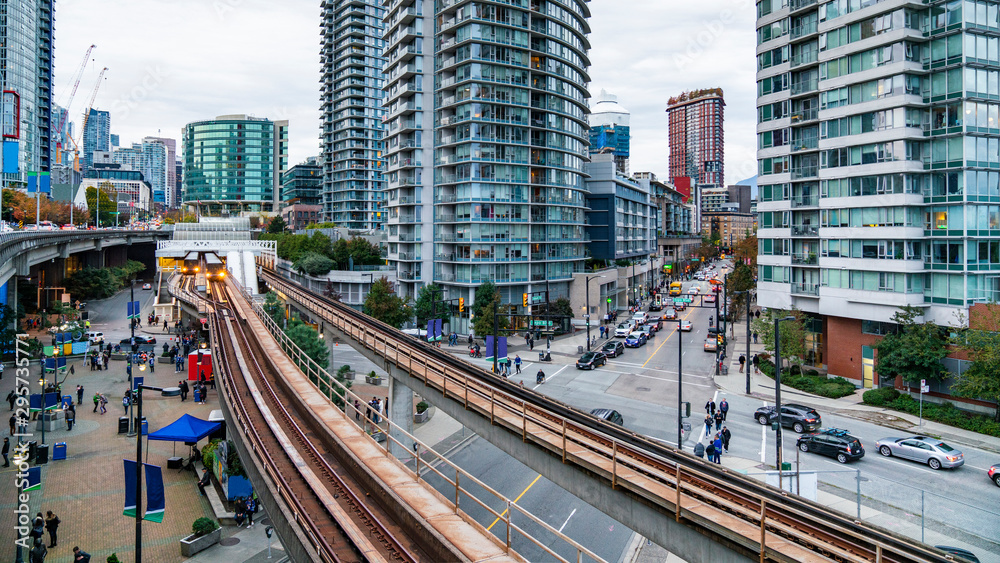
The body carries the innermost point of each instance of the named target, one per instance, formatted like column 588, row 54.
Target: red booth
column 206, row 364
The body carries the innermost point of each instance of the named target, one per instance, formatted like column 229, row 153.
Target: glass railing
column 808, row 259
column 805, row 115
column 805, row 230
column 804, row 86
column 805, row 172
column 805, row 288
column 805, row 144
column 805, row 201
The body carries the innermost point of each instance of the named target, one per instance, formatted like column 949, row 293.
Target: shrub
column 208, row 453
column 880, row 397
column 113, row 558
column 833, row 388
column 422, row 406
column 945, row 413
column 343, row 370
column 314, row 264
column 203, row 526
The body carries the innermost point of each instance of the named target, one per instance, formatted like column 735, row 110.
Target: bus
column 676, row 288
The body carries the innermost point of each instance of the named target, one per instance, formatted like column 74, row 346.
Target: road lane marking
column 702, row 436
column 567, row 520
column 676, row 330
column 502, row 514
column 548, row 377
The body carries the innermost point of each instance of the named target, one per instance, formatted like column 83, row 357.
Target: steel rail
column 654, row 471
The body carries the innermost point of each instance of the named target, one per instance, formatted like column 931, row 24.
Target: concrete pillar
column 401, row 413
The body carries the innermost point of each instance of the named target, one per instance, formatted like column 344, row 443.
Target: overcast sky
column 176, row 61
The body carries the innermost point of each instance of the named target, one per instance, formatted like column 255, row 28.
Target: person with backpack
column 251, row 507
column 717, row 446
column 699, row 450
column 710, row 450
column 52, row 525
column 726, row 435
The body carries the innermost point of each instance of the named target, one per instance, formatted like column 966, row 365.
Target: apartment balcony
column 804, row 172
column 803, row 30
column 802, row 116
column 809, row 289
column 805, row 86
column 408, row 276
column 805, row 201
column 804, row 58
column 800, row 4
column 800, row 145
column 805, row 231
column 805, row 259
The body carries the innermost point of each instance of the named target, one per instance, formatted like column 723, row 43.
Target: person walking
column 97, row 401
column 5, row 452
column 13, row 421
column 743, row 360
column 104, row 404
column 357, row 410
column 724, row 408
column 11, row 398
column 755, row 337
column 38, row 552
column 710, row 450
column 70, row 417
column 517, row 363
column 710, row 407
column 726, row 435
column 79, row 394
column 184, row 389
column 699, row 450
column 152, row 363
column 708, row 424
column 250, row 507
column 718, row 420
column 756, row 364
column 717, row 445
column 52, row 525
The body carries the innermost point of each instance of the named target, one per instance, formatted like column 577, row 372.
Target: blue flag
column 11, row 150
column 34, row 479
column 155, row 499
column 133, row 309
column 130, row 477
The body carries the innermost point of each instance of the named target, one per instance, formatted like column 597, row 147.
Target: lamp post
column 718, row 325
column 132, row 350
column 587, row 316
column 747, row 293
column 777, row 387
column 138, row 472
column 680, row 389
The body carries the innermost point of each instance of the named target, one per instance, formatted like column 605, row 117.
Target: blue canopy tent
column 187, row 428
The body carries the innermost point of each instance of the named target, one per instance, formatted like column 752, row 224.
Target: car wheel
column 842, row 458
column 798, row 428
column 934, row 463
column 762, row 419
column 996, row 479
column 885, row 451
column 804, row 447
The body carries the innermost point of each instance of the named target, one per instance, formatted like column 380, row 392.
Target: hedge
column 833, row 388
column 945, row 413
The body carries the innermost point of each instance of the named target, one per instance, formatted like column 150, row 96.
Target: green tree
column 563, row 308
column 314, row 264
column 277, row 225
column 306, row 338
column 793, row 333
column 383, row 304
column 482, row 323
column 708, row 249
column 981, row 380
column 422, row 307
column 484, row 297
column 106, row 206
column 914, row 351
column 274, row 308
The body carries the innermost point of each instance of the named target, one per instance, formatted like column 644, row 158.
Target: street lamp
column 747, row 293
column 680, row 379
column 587, row 316
column 777, row 386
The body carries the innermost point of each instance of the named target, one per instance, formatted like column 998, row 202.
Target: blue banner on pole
column 132, row 310
column 130, row 477
column 11, row 155
column 35, row 401
column 155, row 499
column 44, row 182
column 34, row 479
column 32, row 182
column 503, row 346
column 137, row 381
column 439, row 324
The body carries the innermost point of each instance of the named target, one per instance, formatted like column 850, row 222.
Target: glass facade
column 352, row 82
column 234, row 164
column 878, row 154
column 96, row 137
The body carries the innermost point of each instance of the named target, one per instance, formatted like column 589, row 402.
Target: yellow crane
column 86, row 116
column 69, row 103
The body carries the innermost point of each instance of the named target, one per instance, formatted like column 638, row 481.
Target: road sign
column 925, row 388
column 541, row 323
column 682, row 299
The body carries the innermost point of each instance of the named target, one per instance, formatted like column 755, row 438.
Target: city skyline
column 199, row 49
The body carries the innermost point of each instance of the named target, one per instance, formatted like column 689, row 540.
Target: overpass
column 699, row 510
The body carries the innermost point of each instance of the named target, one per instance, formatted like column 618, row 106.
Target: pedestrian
column 699, row 449
column 97, row 401
column 531, row 344
column 357, row 410
column 80, row 556
column 184, row 390
column 239, row 507
column 724, row 408
column 13, row 421
column 72, row 369
column 743, row 360
column 5, row 451
column 726, row 435
column 152, row 364
column 756, row 364
column 517, row 363
column 710, row 449
column 756, row 314
column 79, row 394
column 38, row 552
column 755, row 337
column 11, row 398
column 70, row 417
column 718, row 420
column 52, row 525
column 710, row 407
column 708, row 424
column 250, row 507
column 104, row 403
column 717, row 444
column 127, row 400
column 164, row 325
column 204, row 482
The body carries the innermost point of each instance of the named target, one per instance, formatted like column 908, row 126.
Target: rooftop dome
column 607, row 111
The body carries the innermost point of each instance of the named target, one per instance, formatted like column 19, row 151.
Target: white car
column 623, row 330
column 640, row 318
column 147, row 286
column 693, row 291
column 95, row 337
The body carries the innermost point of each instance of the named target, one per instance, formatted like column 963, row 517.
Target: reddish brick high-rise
column 696, row 137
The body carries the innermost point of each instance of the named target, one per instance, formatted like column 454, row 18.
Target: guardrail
column 12, row 244
column 717, row 502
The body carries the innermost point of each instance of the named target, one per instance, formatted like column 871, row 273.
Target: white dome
column 606, row 111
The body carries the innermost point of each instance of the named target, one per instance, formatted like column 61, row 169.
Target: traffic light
column 687, row 409
column 461, row 304
column 524, row 299
column 609, row 300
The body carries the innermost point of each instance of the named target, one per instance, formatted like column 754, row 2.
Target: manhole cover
column 229, row 541
column 643, row 389
column 265, row 522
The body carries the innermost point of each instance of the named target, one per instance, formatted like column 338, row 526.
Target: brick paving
column 87, row 490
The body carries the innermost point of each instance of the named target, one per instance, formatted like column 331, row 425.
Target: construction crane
column 69, row 102
column 86, row 116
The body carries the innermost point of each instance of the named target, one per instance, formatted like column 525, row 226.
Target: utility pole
column 496, row 334
column 680, row 387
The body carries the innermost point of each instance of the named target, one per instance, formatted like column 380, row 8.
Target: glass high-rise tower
column 351, row 102
column 486, row 136
column 879, row 149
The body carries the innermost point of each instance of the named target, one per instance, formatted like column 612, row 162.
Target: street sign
column 925, row 388
column 541, row 323
column 682, row 299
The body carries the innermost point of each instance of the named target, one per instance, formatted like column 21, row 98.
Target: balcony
column 805, row 231
column 804, row 29
column 805, row 86
column 810, row 289
column 804, row 58
column 799, row 4
column 799, row 145
column 803, row 172
column 804, row 115
column 805, row 201
column 804, row 259
column 409, row 276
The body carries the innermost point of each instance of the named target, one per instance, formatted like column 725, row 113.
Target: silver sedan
column 935, row 453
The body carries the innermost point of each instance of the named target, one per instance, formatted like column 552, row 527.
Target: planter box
column 420, row 417
column 349, row 375
column 164, row 360
column 373, row 380
column 119, row 356
column 192, row 545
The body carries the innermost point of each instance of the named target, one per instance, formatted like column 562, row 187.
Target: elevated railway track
column 751, row 518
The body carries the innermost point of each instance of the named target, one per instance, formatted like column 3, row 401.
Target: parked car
column 965, row 554
column 613, row 349
column 922, row 449
column 591, row 360
column 994, row 473
column 834, row 443
column 623, row 330
column 138, row 340
column 669, row 315
column 709, row 298
column 797, row 417
column 685, row 326
column 635, row 339
column 609, row 415
column 711, row 345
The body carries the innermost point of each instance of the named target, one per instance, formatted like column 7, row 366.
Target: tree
column 314, row 264
column 364, row 253
column 105, row 206
column 563, row 308
column 982, row 343
column 306, row 338
column 273, row 307
column 277, row 225
column 482, row 323
column 914, row 351
column 341, row 254
column 708, row 249
column 484, row 297
column 746, row 250
column 422, row 308
column 793, row 333
column 383, row 304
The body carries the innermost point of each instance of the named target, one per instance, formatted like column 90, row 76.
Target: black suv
column 832, row 442
column 613, row 348
column 797, row 417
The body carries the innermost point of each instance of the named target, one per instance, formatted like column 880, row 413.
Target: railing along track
column 680, row 484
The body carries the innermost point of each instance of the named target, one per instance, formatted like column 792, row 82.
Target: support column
column 401, row 413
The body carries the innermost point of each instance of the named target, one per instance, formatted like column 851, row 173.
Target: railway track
column 757, row 517
column 329, row 505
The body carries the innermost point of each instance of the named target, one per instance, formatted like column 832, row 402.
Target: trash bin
column 42, row 454
column 144, row 425
column 32, row 447
column 123, row 425
column 59, row 451
column 724, row 370
column 579, row 349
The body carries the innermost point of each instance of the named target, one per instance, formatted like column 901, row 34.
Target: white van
column 95, row 337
